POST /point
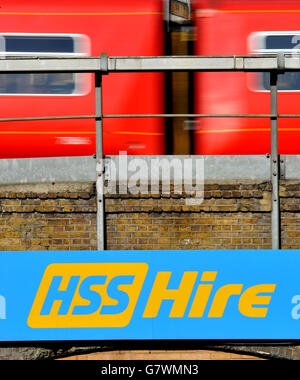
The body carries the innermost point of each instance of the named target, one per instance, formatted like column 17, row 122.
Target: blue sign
column 115, row 295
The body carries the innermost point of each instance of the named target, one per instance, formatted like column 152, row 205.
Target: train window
column 274, row 42
column 37, row 46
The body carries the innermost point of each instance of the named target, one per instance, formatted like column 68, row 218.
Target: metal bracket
column 282, row 167
column 239, row 63
column 104, row 64
column 281, row 61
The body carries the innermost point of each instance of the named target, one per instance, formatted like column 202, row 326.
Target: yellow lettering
column 160, row 292
column 202, row 295
column 221, row 297
column 250, row 298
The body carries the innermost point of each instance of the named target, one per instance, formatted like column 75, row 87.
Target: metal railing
column 104, row 65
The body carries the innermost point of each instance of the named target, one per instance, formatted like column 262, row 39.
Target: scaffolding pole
column 275, row 174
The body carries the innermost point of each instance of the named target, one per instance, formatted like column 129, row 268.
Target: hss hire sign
column 114, row 295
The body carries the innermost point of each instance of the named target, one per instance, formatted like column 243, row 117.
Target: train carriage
column 231, row 27
column 75, row 28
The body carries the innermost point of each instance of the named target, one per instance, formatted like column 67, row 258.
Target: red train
column 135, row 27
column 74, row 28
column 226, row 27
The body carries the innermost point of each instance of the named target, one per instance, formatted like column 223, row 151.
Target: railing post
column 100, row 164
column 275, row 161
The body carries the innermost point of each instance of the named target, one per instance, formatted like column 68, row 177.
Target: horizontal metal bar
column 265, row 62
column 48, row 64
column 289, row 116
column 182, row 115
column 189, row 115
column 48, row 118
column 193, row 63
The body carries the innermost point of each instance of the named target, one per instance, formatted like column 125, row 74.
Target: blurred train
column 138, row 28
column 80, row 28
column 227, row 27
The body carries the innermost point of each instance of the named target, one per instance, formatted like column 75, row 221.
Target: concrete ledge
column 83, row 169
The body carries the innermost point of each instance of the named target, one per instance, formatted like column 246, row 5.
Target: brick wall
column 48, row 217
column 62, row 216
column 290, row 214
column 233, row 216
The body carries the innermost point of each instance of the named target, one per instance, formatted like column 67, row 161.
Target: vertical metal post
column 100, row 164
column 275, row 161
column 167, row 13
